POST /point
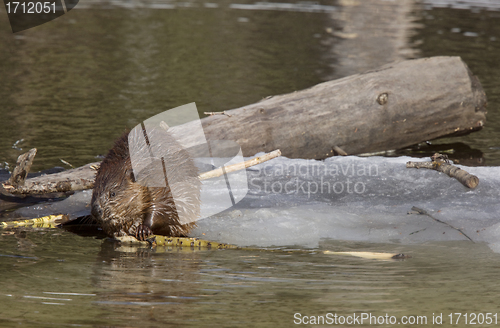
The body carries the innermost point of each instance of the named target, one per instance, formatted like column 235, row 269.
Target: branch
column 424, row 212
column 441, row 163
column 239, row 166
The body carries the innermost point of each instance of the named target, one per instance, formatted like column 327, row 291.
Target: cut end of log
column 472, row 182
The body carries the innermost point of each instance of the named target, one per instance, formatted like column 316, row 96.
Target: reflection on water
column 475, row 36
column 53, row 276
column 371, row 34
column 72, row 86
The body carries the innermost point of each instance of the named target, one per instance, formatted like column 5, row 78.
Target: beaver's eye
column 112, row 194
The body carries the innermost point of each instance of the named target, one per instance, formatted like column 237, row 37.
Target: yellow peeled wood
column 49, row 221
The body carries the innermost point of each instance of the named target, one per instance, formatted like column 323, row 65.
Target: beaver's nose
column 96, row 210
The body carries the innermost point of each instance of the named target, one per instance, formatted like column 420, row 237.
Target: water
column 74, row 85
column 84, row 80
column 473, row 35
column 56, row 279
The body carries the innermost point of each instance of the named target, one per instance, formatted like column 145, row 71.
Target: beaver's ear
column 132, row 177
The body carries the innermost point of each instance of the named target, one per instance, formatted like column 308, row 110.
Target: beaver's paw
column 143, row 232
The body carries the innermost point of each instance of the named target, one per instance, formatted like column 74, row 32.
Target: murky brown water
column 70, row 87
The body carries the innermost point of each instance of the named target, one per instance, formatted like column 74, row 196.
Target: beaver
column 125, row 204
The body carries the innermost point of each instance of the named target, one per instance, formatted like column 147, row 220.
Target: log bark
column 393, row 107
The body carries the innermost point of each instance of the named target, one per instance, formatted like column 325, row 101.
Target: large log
column 396, row 106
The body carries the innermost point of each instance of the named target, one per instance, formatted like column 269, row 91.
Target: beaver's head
column 118, row 202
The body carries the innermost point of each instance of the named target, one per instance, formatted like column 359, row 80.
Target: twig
column 339, row 150
column 67, row 163
column 441, row 163
column 418, row 231
column 424, row 212
column 217, row 113
column 239, row 166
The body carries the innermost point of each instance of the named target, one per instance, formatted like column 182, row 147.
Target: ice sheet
column 299, row 202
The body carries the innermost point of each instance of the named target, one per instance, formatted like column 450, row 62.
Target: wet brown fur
column 124, row 207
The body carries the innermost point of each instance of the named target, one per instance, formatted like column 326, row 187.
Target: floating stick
column 371, row 255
